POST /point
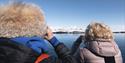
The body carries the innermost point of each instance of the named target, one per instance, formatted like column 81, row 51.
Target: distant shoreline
column 77, row 32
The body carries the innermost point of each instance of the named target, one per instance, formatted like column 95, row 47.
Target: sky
column 65, row 13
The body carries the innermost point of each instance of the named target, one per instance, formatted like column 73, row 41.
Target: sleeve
column 78, row 57
column 76, row 45
column 64, row 54
column 54, row 42
column 62, row 51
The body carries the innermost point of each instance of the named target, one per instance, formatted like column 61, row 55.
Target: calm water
column 68, row 40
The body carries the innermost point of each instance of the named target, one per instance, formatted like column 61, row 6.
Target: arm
column 76, row 45
column 79, row 58
column 62, row 51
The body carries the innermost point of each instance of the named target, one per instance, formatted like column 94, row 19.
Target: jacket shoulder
column 15, row 52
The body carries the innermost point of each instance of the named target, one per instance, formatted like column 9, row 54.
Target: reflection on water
column 120, row 39
column 68, row 40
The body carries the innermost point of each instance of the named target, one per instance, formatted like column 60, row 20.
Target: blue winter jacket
column 36, row 43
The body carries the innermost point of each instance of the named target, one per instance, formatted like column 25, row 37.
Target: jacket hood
column 103, row 47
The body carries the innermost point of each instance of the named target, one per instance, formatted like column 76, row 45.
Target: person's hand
column 49, row 34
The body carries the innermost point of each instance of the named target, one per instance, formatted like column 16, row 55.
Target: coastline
column 76, row 32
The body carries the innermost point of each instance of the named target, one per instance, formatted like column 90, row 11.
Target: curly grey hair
column 21, row 19
column 97, row 30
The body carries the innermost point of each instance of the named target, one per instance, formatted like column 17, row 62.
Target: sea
column 68, row 40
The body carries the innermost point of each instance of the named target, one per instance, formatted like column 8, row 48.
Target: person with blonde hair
column 22, row 29
column 23, row 32
column 100, row 46
column 21, row 19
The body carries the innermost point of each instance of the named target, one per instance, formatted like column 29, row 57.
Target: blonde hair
column 21, row 19
column 98, row 30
